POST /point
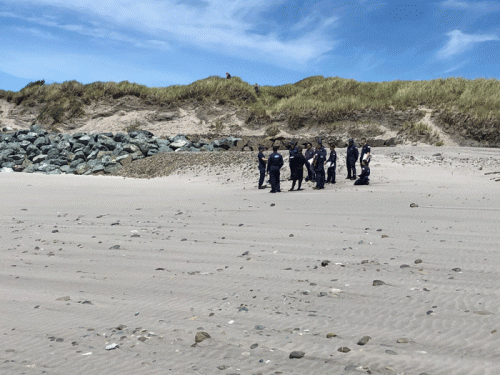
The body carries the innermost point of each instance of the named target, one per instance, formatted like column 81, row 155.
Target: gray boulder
column 180, row 143
column 82, row 168
column 130, row 148
column 165, row 149
column 39, row 158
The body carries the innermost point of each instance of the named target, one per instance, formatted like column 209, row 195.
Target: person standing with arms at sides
column 309, row 155
column 319, row 166
column 298, row 169
column 365, row 151
column 228, row 75
column 352, row 157
column 365, row 173
column 262, row 167
column 292, row 152
column 274, row 164
column 256, row 87
column 330, row 179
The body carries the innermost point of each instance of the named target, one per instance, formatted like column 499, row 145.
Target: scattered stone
column 325, row 263
column 384, row 236
column 430, row 312
column 115, row 247
column 323, row 294
column 66, row 298
column 413, row 205
column 364, row 340
column 330, row 335
column 456, row 269
column 160, row 269
column 418, row 261
column 378, row 282
column 142, row 338
column 55, row 231
column 253, row 346
column 391, row 352
column 201, row 336
column 296, row 354
column 121, row 327
column 291, row 235
column 112, row 346
column 403, row 341
column 344, row 349
column 243, row 308
column 272, row 205
column 404, row 266
column 259, row 327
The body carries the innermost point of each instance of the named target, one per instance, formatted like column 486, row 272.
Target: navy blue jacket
column 319, row 163
column 275, row 161
column 352, row 153
column 333, row 159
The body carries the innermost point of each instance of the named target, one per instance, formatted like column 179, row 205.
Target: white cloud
column 217, row 25
column 478, row 5
column 460, row 42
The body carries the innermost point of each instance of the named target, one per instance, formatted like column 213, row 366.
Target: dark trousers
column 297, row 175
column 310, row 172
column 362, row 181
column 351, row 168
column 331, row 175
column 320, row 178
column 262, row 176
column 274, row 174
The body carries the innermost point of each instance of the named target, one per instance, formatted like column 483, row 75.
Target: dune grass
column 325, row 98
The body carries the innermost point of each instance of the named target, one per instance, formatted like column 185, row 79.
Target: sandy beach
column 146, row 264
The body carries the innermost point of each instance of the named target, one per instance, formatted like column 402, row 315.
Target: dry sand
column 82, row 255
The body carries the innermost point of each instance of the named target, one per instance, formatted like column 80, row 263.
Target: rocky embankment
column 36, row 150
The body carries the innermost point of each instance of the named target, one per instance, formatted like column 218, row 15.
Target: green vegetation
column 325, row 99
column 272, row 130
column 419, row 132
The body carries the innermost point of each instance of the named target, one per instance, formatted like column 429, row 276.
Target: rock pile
column 36, row 150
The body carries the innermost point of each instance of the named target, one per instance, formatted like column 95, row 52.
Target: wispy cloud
column 219, row 26
column 35, row 32
column 460, row 42
column 486, row 6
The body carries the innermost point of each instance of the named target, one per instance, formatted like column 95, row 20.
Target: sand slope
column 179, row 269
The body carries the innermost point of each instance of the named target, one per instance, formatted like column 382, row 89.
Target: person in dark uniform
column 262, row 167
column 274, row 164
column 330, row 179
column 352, row 157
column 319, row 166
column 257, row 91
column 365, row 173
column 228, row 76
column 309, row 154
column 292, row 152
column 298, row 169
column 365, row 151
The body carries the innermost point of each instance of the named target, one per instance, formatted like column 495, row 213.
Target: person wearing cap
column 292, row 152
column 262, row 167
column 351, row 158
column 365, row 173
column 319, row 166
column 297, row 166
column 309, row 155
column 332, row 165
column 274, row 164
column 365, row 151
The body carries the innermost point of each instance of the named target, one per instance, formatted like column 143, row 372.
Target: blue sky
column 166, row 42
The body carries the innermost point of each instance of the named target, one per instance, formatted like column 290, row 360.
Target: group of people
column 315, row 161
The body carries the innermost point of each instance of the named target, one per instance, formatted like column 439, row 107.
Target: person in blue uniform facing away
column 319, row 166
column 262, row 167
column 309, row 154
column 365, row 151
column 351, row 158
column 292, row 152
column 365, row 173
column 330, row 178
column 297, row 166
column 274, row 164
